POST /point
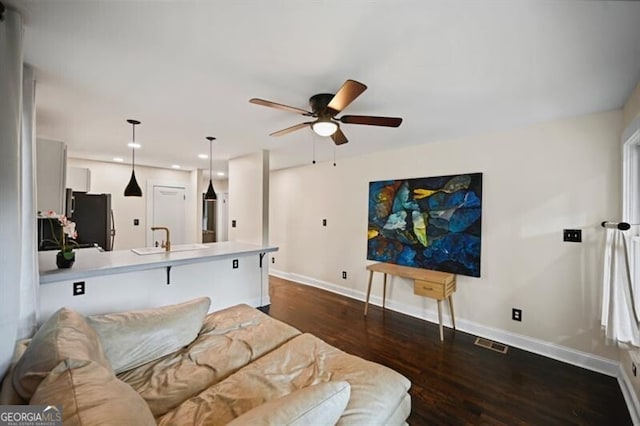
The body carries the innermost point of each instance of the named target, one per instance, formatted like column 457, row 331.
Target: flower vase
column 65, row 261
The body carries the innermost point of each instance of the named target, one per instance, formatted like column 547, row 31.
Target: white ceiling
column 186, row 70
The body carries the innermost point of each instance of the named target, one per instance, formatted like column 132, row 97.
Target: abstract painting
column 431, row 223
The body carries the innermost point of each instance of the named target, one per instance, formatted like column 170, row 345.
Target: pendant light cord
column 210, row 159
column 133, row 149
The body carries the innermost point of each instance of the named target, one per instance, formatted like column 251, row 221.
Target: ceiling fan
column 325, row 107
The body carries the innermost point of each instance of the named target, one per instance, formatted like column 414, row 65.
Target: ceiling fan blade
column 339, row 138
column 350, row 90
column 371, row 120
column 280, row 106
column 290, row 129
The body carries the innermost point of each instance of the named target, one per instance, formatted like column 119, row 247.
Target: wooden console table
column 433, row 284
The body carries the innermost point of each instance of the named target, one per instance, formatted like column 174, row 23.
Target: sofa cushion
column 229, row 339
column 134, row 338
column 320, row 404
column 64, row 335
column 303, row 361
column 91, row 395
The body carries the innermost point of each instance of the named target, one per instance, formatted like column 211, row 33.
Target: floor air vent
column 498, row 347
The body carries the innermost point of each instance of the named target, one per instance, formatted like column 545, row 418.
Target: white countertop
column 91, row 262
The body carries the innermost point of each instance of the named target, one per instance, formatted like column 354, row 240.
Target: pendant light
column 133, row 189
column 211, row 193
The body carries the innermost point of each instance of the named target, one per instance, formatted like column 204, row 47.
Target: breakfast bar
column 228, row 272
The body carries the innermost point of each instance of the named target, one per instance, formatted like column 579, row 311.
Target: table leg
column 384, row 289
column 440, row 319
column 453, row 317
column 366, row 304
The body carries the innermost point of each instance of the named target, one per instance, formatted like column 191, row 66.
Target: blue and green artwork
column 431, row 223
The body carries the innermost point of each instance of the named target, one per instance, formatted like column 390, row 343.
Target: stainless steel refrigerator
column 93, row 216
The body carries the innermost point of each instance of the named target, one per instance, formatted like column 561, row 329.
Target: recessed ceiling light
column 220, row 173
column 118, row 159
column 203, row 156
column 175, row 166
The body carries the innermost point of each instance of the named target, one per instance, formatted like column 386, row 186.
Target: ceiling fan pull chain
column 314, row 149
column 334, row 155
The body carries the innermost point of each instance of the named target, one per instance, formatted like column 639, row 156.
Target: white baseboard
column 630, row 396
column 530, row 344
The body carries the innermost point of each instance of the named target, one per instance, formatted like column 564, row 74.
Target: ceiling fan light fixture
column 324, row 127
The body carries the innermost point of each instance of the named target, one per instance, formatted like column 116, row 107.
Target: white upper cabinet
column 51, row 166
column 79, row 179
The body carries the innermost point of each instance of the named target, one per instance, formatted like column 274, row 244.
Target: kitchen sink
column 179, row 247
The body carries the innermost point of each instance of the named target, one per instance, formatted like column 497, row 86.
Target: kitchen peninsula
column 228, row 272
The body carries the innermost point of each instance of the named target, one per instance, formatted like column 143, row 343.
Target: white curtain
column 619, row 317
column 11, row 58
column 29, row 275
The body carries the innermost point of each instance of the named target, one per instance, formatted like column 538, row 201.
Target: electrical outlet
column 344, row 275
column 516, row 314
column 324, row 222
column 235, row 263
column 136, row 222
column 233, row 223
column 572, row 235
column 78, row 288
column 273, row 260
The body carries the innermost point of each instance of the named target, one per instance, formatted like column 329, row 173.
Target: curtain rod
column 623, row 226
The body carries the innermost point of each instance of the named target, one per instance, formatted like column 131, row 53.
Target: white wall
column 249, row 207
column 631, row 108
column 537, row 181
column 112, row 178
column 248, row 196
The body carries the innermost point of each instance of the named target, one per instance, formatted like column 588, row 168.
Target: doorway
column 168, row 209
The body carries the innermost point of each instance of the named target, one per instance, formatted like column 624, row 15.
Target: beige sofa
column 176, row 365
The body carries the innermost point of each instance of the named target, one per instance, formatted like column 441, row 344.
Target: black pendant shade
column 133, row 189
column 211, row 193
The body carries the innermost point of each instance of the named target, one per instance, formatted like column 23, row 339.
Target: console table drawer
column 432, row 289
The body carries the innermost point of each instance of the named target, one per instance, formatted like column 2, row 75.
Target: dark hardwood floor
column 453, row 382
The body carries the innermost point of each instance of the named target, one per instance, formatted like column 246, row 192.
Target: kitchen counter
column 92, row 262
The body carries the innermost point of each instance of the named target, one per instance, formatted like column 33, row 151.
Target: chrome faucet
column 166, row 245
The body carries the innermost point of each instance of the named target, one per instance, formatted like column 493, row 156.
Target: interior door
column 169, row 209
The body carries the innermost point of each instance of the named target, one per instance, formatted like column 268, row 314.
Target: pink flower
column 68, row 229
